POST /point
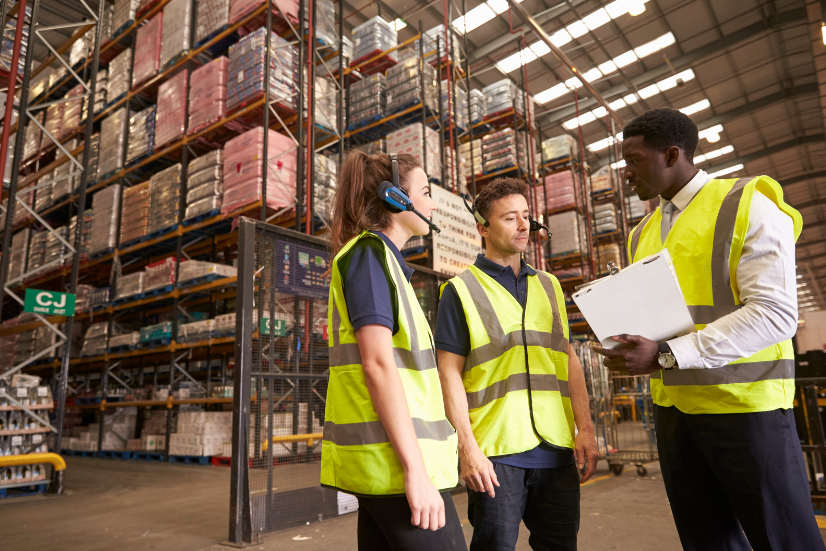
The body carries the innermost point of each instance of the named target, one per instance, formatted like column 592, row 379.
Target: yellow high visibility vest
column 502, row 338
column 705, row 244
column 356, row 454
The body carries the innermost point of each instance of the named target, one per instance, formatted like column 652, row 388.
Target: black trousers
column 546, row 499
column 736, row 481
column 384, row 525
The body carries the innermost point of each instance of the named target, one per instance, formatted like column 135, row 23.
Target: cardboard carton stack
column 201, row 433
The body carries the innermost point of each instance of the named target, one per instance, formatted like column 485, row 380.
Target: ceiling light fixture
column 727, row 170
column 636, row 8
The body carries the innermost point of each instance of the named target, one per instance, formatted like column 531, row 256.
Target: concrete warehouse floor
column 129, row 505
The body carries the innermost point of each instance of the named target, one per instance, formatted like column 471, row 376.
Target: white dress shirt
column 768, row 287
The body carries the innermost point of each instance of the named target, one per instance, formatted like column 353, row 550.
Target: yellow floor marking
column 821, row 521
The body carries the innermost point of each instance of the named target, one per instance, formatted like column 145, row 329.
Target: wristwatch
column 666, row 359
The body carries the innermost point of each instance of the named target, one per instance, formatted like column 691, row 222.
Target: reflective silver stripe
column 493, row 350
column 336, row 323
column 372, row 432
column 515, row 383
column 635, row 235
column 483, row 305
column 408, row 312
column 750, row 372
column 705, row 314
column 558, row 340
column 349, row 354
column 721, row 248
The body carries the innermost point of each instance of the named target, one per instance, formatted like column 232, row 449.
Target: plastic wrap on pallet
column 124, row 12
column 101, row 93
column 439, row 32
column 207, row 176
column 407, row 74
column 71, row 111
column 195, row 331
column 238, row 9
column 569, row 233
column 128, row 340
column 54, row 122
column 82, row 47
column 120, row 75
column 367, row 87
column 134, row 219
column 193, row 269
column 21, row 214
column 197, row 207
column 374, row 147
column 225, row 324
column 164, row 197
column 558, row 147
column 31, row 145
column 148, row 50
column 7, row 345
column 96, row 339
column 112, row 142
column 37, row 249
column 130, row 285
column 635, row 208
column 413, row 139
column 560, row 190
column 105, row 220
column 55, row 248
column 211, row 159
column 43, row 194
column 605, row 253
column 212, row 16
column 605, row 218
column 602, row 180
column 19, row 253
column 243, row 170
column 245, row 82
column 399, row 101
column 85, row 238
column 208, row 94
column 175, row 36
column 325, row 108
column 141, row 134
column 161, row 330
column 170, row 120
column 8, row 41
column 94, row 156
column 159, row 274
column 477, row 105
column 374, row 35
column 106, row 29
column 67, row 175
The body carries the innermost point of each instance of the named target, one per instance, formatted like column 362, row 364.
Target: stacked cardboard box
column 244, row 169
column 325, row 169
column 148, row 50
column 559, row 147
column 123, row 13
column 54, row 122
column 170, row 121
column 560, row 190
column 503, row 149
column 211, row 16
column 129, row 285
column 246, row 71
column 569, row 234
column 31, row 145
column 208, row 94
column 635, row 208
column 372, row 37
column 160, row 274
column 19, row 254
column 141, row 135
column 71, row 111
column 112, row 142
column 367, row 100
column 417, row 140
column 605, row 218
column 602, row 181
column 134, row 219
column 175, row 35
column 205, row 185
column 473, row 148
column 404, row 85
column 66, row 176
column 240, row 8
column 477, row 106
column 164, row 198
column 96, row 339
column 105, row 205
column 120, row 76
column 201, row 433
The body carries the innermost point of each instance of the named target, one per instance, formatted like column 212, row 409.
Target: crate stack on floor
column 21, row 433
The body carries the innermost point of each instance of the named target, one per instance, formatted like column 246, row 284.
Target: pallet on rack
column 209, row 278
column 124, row 300
column 79, row 453
column 132, row 162
column 122, row 28
column 159, row 291
column 190, row 459
column 113, row 101
column 379, row 65
column 174, row 60
column 147, row 456
column 210, row 36
column 163, row 231
column 115, row 454
column 23, row 491
column 121, row 348
column 202, row 217
column 155, row 343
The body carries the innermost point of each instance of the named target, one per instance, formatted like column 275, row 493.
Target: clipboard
column 643, row 299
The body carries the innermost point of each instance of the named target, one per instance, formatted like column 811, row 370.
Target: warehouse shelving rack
column 211, row 237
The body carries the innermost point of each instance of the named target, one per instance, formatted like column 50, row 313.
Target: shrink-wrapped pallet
column 123, row 14
column 164, row 198
column 175, row 36
column 112, row 142
column 246, row 71
column 170, row 120
column 244, row 170
column 141, row 135
column 134, row 219
column 54, row 122
column 208, row 94
column 71, row 111
column 67, row 175
column 560, row 190
column 238, row 9
column 130, row 285
column 212, row 15
column 205, row 184
column 373, row 37
column 19, row 254
column 159, row 275
column 148, row 50
column 31, row 145
column 413, row 140
column 105, row 204
column 120, row 76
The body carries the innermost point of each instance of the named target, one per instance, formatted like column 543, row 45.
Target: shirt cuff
column 686, row 351
column 372, row 320
column 451, row 348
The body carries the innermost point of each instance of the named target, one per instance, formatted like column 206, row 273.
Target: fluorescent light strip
column 398, row 24
column 696, row 107
column 714, row 154
column 538, row 49
column 728, row 170
column 645, row 93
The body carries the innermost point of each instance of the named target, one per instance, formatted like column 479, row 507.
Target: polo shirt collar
column 493, row 269
column 408, row 272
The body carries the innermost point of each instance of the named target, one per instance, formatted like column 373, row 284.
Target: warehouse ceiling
column 745, row 71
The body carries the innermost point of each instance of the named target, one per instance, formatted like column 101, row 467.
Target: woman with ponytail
column 386, row 437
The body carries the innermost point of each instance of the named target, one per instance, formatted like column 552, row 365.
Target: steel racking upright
column 213, row 236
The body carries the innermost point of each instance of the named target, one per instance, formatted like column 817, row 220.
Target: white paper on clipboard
column 643, row 299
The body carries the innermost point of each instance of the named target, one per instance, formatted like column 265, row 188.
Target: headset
column 536, row 225
column 395, row 199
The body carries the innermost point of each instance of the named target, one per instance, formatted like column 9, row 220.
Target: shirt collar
column 408, row 272
column 493, row 269
column 685, row 195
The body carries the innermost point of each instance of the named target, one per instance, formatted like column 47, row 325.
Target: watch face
column 666, row 361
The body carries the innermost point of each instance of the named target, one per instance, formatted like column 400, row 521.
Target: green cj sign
column 279, row 327
column 49, row 302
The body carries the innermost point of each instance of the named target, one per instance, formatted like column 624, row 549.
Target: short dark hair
column 498, row 188
column 664, row 128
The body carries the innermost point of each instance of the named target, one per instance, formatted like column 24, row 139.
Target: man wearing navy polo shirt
column 484, row 321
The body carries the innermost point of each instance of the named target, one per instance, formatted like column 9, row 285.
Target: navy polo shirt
column 366, row 290
column 452, row 335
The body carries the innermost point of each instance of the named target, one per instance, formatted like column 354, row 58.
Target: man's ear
column 672, row 155
column 483, row 231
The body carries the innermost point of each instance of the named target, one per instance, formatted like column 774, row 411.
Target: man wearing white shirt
column 728, row 447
